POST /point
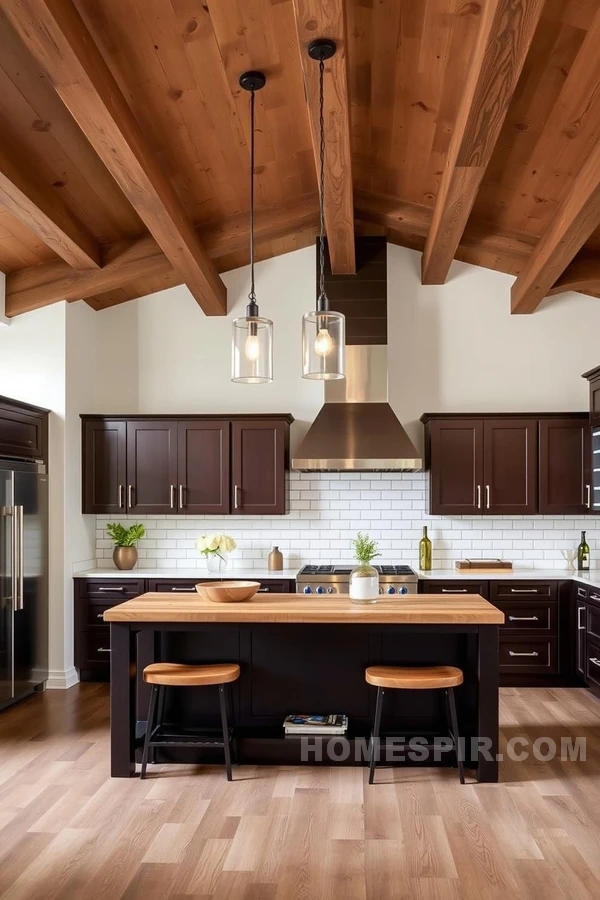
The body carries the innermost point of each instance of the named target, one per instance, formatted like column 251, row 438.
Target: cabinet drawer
column 22, row 432
column 593, row 622
column 532, row 654
column 95, row 613
column 592, row 663
column 517, row 590
column 455, row 587
column 97, row 646
column 175, row 585
column 594, row 597
column 112, row 589
column 529, row 615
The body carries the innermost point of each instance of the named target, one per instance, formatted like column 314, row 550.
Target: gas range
column 336, row 580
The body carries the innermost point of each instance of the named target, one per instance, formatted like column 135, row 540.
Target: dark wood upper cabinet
column 104, row 466
column 565, row 466
column 500, row 464
column 152, row 467
column 203, row 466
column 23, row 430
column 593, row 376
column 192, row 465
column 510, row 466
column 258, row 452
column 455, row 450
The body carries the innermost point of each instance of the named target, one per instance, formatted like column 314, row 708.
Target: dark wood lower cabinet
column 94, row 596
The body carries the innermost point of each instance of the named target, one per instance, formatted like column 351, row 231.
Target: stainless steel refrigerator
column 23, row 579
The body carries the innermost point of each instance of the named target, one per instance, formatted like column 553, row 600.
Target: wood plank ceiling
column 466, row 128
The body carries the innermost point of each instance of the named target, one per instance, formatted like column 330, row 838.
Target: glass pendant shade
column 323, row 345
column 252, row 350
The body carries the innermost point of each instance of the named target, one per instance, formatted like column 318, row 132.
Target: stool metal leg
column 225, row 726
column 374, row 748
column 159, row 718
column 454, row 732
column 149, row 728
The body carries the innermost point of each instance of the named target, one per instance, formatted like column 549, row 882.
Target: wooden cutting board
column 483, row 565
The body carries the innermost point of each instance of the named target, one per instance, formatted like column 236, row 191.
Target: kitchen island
column 303, row 653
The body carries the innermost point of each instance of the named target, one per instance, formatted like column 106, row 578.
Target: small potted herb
column 364, row 578
column 125, row 554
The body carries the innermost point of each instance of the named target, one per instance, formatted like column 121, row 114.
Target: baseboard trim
column 61, row 679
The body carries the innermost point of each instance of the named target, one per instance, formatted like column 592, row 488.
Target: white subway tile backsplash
column 327, row 510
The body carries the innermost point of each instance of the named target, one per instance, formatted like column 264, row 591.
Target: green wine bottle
column 425, row 551
column 583, row 555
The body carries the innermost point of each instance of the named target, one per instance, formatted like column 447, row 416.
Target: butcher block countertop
column 415, row 609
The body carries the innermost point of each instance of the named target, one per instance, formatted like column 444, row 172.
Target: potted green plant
column 364, row 578
column 125, row 554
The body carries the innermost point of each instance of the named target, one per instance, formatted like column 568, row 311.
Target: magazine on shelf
column 306, row 724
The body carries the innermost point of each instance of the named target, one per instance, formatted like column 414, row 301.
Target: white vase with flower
column 216, row 549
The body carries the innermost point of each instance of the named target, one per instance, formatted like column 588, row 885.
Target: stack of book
column 304, row 724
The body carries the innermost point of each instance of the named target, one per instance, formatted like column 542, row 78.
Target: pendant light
column 252, row 346
column 323, row 331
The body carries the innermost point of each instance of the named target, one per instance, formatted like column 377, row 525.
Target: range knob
column 307, row 590
column 320, row 590
column 403, row 589
column 381, row 590
column 330, row 590
column 391, row 590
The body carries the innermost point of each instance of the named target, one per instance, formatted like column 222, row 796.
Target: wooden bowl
column 228, row 591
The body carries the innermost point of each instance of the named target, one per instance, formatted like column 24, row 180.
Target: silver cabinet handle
column 263, row 591
column 172, row 500
column 129, row 495
column 99, row 615
column 454, row 591
column 103, row 649
column 181, row 497
column 110, row 590
column 594, row 597
column 580, row 609
column 533, row 653
column 478, row 496
column 236, row 491
column 595, row 660
column 182, row 590
column 588, row 501
column 121, row 495
column 523, row 590
column 487, row 496
column 523, row 619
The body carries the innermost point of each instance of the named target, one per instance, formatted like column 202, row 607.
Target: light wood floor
column 67, row 831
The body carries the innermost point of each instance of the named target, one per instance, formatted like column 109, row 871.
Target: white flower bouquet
column 215, row 545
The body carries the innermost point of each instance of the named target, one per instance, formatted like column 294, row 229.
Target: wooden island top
column 415, row 609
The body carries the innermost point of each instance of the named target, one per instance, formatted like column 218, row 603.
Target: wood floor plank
column 70, row 832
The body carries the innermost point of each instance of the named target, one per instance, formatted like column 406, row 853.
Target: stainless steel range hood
column 357, row 430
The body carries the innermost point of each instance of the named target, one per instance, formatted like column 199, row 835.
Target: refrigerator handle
column 18, row 564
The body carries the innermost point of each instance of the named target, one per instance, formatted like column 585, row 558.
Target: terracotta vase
column 125, row 557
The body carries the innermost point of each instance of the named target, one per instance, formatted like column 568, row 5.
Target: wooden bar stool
column 164, row 675
column 415, row 679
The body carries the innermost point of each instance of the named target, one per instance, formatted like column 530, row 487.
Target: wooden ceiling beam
column 577, row 218
column 42, row 210
column 141, row 258
column 327, row 19
column 505, row 35
column 582, row 274
column 55, row 34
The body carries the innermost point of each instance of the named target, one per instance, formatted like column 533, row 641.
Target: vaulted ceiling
column 466, row 129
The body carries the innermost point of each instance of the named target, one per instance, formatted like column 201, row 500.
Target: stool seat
column 414, row 678
column 179, row 675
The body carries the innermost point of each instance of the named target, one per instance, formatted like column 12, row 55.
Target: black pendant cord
column 322, row 302
column 252, row 308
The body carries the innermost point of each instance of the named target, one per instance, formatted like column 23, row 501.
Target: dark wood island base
column 310, row 665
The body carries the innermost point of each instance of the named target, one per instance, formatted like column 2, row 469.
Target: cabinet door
column 510, row 466
column 151, row 467
column 456, row 462
column 104, row 469
column 22, row 432
column 203, row 452
column 565, row 467
column 258, row 467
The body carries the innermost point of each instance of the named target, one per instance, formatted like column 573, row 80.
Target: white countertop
column 516, row 574
column 198, row 574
